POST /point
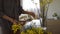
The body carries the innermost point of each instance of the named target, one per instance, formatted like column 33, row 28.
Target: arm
column 30, row 13
column 6, row 17
column 25, row 12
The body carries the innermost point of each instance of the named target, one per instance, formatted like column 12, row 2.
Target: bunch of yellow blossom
column 16, row 27
column 32, row 30
column 35, row 31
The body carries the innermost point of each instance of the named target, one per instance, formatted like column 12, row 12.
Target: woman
column 9, row 13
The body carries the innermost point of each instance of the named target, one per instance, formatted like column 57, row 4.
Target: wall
column 54, row 7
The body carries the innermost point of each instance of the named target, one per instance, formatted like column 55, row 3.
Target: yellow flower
column 22, row 32
column 33, row 30
column 16, row 27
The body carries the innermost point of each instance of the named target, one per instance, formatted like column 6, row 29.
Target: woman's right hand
column 15, row 22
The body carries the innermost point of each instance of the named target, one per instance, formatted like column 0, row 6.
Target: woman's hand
column 31, row 13
column 15, row 22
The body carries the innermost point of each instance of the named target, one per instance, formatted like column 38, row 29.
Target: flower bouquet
column 30, row 30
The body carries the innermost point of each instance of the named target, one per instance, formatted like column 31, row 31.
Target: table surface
column 53, row 26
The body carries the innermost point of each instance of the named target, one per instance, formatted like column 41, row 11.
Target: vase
column 55, row 18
